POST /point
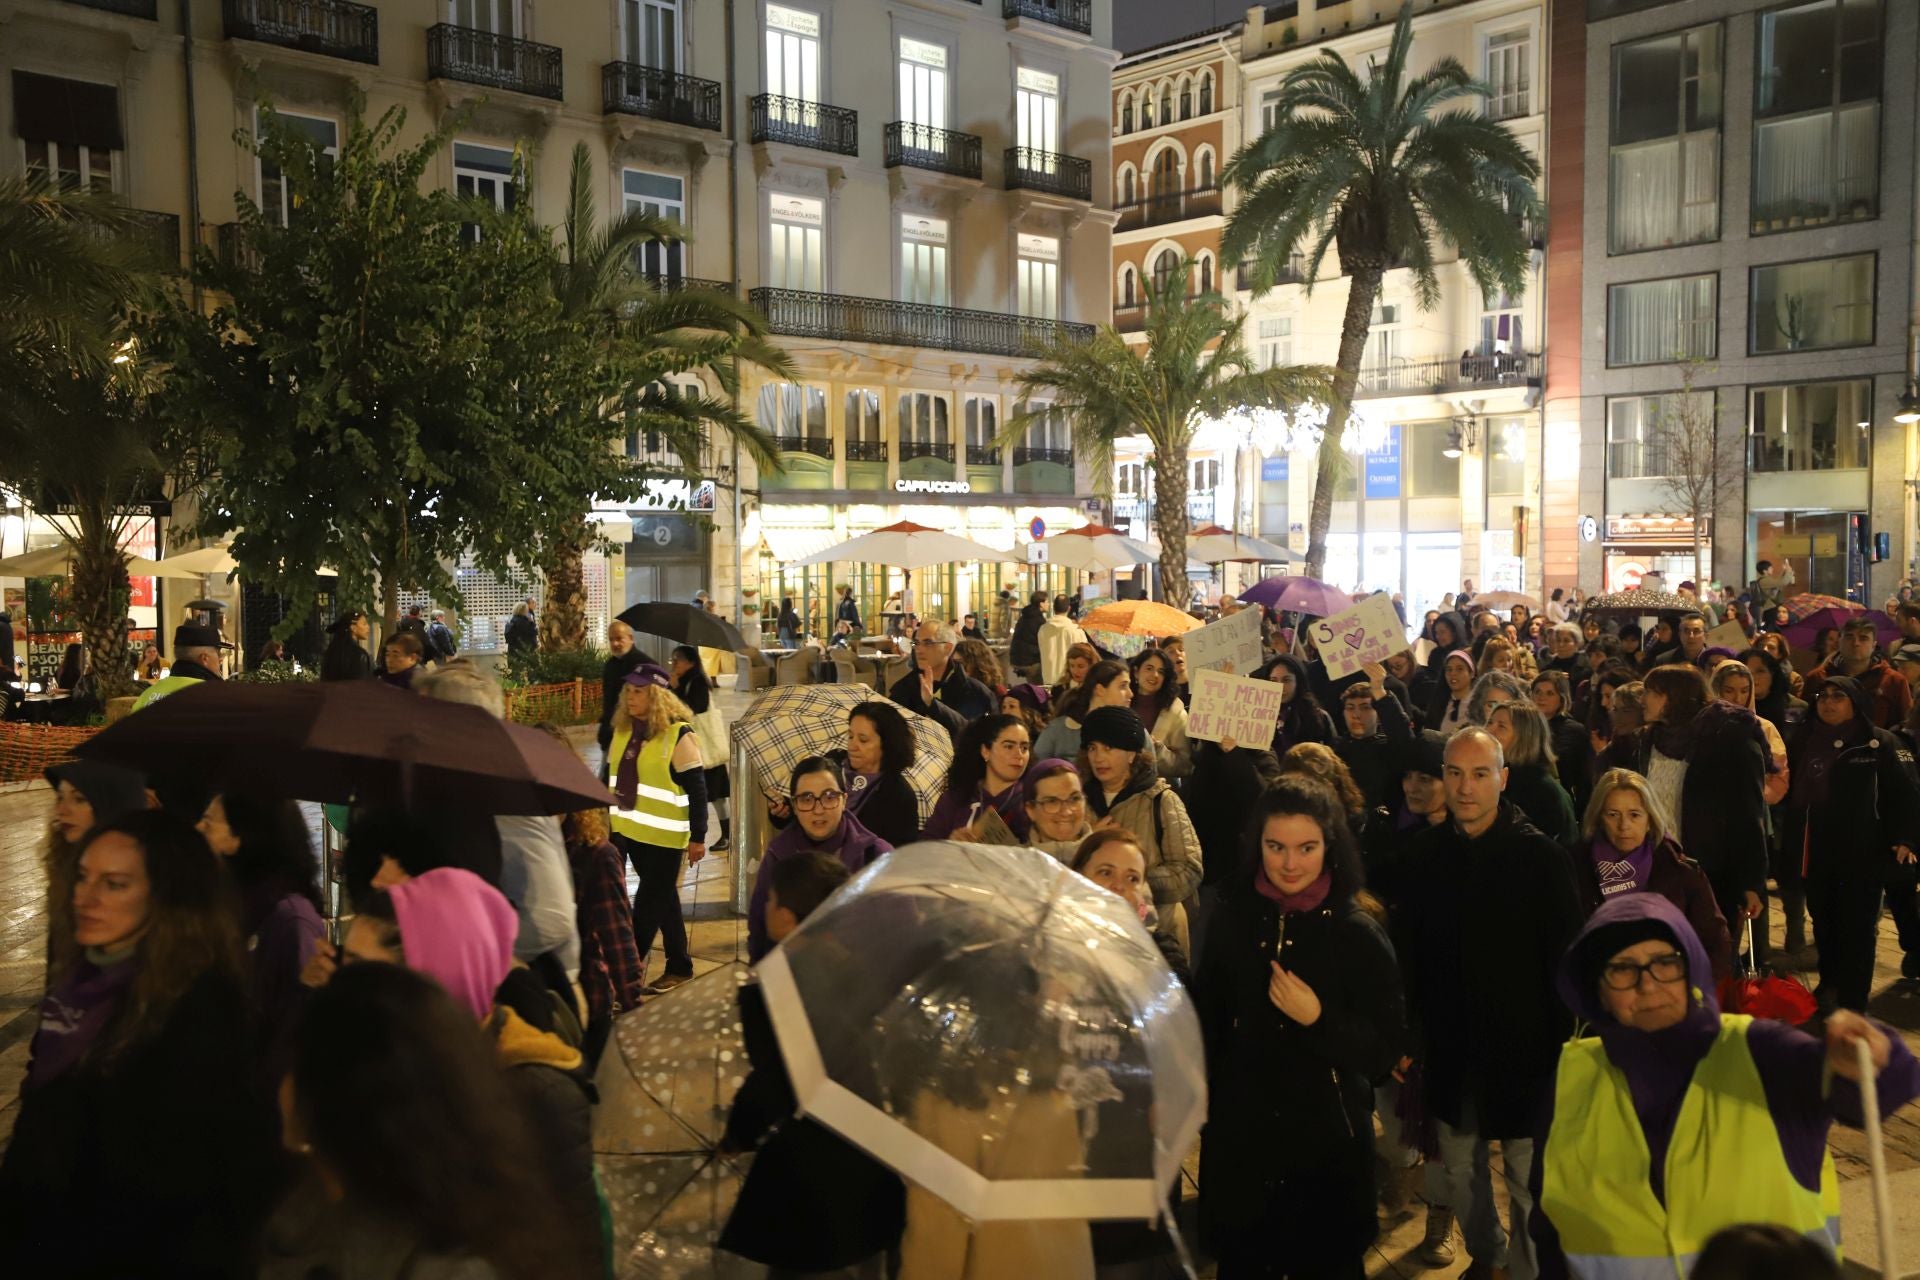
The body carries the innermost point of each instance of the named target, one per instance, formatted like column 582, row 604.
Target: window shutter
column 49, row 109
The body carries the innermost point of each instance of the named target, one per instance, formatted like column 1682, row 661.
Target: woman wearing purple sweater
column 818, row 796
column 1675, row 1120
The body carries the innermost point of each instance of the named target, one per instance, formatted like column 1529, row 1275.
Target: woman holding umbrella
column 818, row 797
column 655, row 768
column 984, row 799
column 695, row 687
column 1301, row 1010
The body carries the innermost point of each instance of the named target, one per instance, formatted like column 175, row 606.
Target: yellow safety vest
column 1724, row 1166
column 659, row 816
column 161, row 688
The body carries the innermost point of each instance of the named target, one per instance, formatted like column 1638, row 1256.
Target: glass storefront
column 1818, row 544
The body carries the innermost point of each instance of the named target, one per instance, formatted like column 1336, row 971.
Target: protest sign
column 1234, row 707
column 1369, row 632
column 1231, row 644
column 1728, row 635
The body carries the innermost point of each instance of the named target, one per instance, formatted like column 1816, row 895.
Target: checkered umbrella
column 1806, row 604
column 787, row 724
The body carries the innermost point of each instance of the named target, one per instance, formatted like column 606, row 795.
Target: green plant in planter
column 276, row 672
column 1790, row 318
column 553, row 666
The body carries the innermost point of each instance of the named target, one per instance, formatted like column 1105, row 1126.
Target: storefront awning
column 787, row 545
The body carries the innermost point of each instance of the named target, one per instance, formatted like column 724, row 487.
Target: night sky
column 1140, row 23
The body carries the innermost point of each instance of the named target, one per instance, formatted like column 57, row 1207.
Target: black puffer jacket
column 1843, row 826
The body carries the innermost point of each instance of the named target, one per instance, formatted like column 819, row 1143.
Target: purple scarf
column 1308, row 899
column 1622, row 872
column 852, row 843
column 75, row 1014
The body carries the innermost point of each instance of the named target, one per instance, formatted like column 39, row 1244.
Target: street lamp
column 1909, row 410
column 1460, row 438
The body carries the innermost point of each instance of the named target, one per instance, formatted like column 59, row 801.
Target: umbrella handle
column 1877, row 1160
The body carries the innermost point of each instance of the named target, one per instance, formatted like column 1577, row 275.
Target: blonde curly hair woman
column 654, row 767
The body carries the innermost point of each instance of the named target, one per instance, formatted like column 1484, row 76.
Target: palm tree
column 1193, row 366
column 646, row 333
column 1374, row 169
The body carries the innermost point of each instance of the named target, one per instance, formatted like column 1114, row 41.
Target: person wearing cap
column 1116, row 768
column 346, row 657
column 1673, row 1120
column 654, row 767
column 1891, row 697
column 1853, row 825
column 196, row 657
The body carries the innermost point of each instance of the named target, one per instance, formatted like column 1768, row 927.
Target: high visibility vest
column 660, row 815
column 161, row 688
column 1724, row 1166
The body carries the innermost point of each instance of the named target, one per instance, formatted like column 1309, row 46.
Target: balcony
column 1294, row 272
column 866, row 450
column 671, row 283
column 818, row 446
column 147, row 9
column 1444, row 374
column 1058, row 457
column 982, row 455
column 335, row 28
column 921, row 146
column 911, row 449
column 1171, row 206
column 842, row 318
column 1073, row 15
column 1130, row 318
column 1057, row 175
column 630, row 89
column 158, row 235
column 497, row 62
column 799, row 123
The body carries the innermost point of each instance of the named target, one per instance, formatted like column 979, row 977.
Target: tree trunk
column 1170, row 522
column 563, row 623
column 101, row 595
column 1363, row 289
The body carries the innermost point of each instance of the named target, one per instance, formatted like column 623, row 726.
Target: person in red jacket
column 1860, row 657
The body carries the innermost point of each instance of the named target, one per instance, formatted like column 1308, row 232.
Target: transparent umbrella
column 995, row 1028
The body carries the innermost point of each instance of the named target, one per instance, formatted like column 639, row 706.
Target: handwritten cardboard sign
column 1728, row 635
column 1234, row 707
column 1231, row 644
column 1369, row 632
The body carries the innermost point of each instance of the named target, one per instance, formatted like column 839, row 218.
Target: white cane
column 1877, row 1161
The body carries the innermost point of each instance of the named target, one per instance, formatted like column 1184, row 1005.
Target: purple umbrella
column 1802, row 634
column 1299, row 595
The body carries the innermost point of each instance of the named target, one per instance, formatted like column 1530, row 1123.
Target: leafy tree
column 630, row 336
column 372, row 375
column 1375, row 170
column 1193, row 366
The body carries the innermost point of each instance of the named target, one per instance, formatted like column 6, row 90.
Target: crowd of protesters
column 1483, row 895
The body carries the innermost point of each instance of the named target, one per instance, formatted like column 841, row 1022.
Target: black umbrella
column 687, row 624
column 351, row 741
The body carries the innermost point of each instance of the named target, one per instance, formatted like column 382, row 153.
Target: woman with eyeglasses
column 1674, row 1120
column 817, row 794
column 984, row 800
column 1056, row 808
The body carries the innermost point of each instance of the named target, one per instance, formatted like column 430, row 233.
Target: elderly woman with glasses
column 817, row 795
column 1674, row 1120
column 1056, row 808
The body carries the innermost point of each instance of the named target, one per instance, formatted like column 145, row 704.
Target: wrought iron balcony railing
column 921, row 146
column 673, row 283
column 1130, row 317
column 804, row 124
column 148, row 9
column 982, row 455
column 818, row 446
column 1074, row 15
column 850, row 319
column 1031, row 170
column 158, row 235
column 498, row 62
column 1449, row 373
column 1294, row 272
column 911, row 449
column 1168, row 206
column 628, row 88
column 337, row 28
column 866, row 450
column 1060, row 457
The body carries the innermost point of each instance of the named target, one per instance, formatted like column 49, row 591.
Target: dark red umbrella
column 1779, row 998
column 351, row 741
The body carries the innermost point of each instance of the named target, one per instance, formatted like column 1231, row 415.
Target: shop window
column 1661, row 321
column 1816, row 107
column 1637, row 427
column 69, row 131
column 1664, row 176
column 1816, row 426
column 1506, row 456
column 1430, row 472
column 1804, row 306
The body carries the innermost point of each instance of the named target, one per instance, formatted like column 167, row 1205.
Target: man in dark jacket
column 1891, row 698
column 1023, row 650
column 623, row 657
column 937, row 686
column 1488, row 908
column 440, row 642
column 1374, row 725
column 1853, row 814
